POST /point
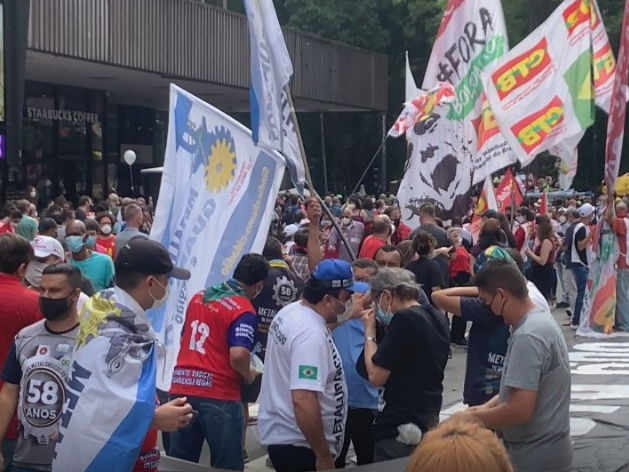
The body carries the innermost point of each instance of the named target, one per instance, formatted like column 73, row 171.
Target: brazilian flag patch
column 308, row 372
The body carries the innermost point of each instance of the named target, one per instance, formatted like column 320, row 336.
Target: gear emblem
column 284, row 291
column 221, row 167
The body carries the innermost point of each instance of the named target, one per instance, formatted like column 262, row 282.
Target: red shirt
column 462, row 262
column 19, row 308
column 108, row 245
column 370, row 246
column 149, row 451
column 6, row 228
column 401, row 234
column 203, row 365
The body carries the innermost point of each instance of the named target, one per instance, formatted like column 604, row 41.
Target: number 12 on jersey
column 200, row 332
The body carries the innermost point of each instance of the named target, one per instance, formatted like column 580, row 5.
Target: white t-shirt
column 301, row 355
column 536, row 296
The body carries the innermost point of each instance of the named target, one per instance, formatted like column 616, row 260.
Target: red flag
column 543, row 208
column 508, row 192
column 486, row 201
column 616, row 124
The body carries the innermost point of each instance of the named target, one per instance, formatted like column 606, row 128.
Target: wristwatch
column 370, row 338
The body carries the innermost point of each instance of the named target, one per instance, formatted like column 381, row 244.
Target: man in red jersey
column 19, row 309
column 215, row 356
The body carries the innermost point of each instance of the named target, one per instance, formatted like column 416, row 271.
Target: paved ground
column 599, row 408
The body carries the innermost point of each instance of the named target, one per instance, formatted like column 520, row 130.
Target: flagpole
column 313, row 192
column 373, row 159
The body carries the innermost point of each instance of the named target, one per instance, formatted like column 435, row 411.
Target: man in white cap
column 579, row 257
column 48, row 251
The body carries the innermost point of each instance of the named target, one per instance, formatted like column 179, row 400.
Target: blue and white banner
column 215, row 204
column 272, row 120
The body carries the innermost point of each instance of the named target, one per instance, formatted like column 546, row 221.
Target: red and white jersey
column 217, row 319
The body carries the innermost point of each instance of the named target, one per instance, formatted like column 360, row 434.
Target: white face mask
column 562, row 219
column 158, row 302
column 33, row 194
column 105, row 229
column 347, row 314
column 519, row 219
column 347, row 221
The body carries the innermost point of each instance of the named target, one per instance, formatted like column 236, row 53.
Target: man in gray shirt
column 353, row 232
column 134, row 217
column 532, row 409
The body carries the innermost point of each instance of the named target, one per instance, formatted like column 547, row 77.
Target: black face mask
column 53, row 308
column 396, row 222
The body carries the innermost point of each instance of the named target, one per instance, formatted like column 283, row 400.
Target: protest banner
column 215, row 205
column 541, row 92
column 599, row 309
column 472, row 37
column 273, row 122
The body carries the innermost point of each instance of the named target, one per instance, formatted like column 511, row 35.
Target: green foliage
column 350, row 21
column 391, row 27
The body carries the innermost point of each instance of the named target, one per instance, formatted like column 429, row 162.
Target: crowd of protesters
column 338, row 345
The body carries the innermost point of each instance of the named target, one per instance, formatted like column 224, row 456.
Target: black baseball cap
column 491, row 214
column 148, row 257
column 47, row 224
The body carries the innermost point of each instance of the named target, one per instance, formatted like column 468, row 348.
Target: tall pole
column 383, row 162
column 16, row 22
column 313, row 192
column 323, row 155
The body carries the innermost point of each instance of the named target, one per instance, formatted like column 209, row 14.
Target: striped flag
column 273, row 122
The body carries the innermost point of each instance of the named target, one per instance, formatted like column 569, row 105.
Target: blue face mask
column 91, row 242
column 75, row 243
column 384, row 317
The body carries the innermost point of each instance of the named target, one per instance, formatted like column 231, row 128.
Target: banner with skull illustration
column 460, row 144
column 472, row 38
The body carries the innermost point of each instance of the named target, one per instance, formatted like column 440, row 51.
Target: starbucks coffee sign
column 74, row 116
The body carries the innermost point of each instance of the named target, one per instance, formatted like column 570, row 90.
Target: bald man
column 133, row 217
column 97, row 268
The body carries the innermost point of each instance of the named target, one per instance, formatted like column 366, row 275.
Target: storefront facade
column 73, row 139
column 97, row 80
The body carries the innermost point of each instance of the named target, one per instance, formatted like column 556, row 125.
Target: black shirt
column 281, row 287
column 441, row 236
column 428, row 274
column 415, row 349
column 486, row 351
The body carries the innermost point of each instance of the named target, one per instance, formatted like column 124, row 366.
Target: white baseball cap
column 45, row 246
column 586, row 210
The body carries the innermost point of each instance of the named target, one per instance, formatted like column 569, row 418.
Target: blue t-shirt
column 98, row 268
column 350, row 341
column 486, row 351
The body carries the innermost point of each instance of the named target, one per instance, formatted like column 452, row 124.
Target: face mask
column 53, row 308
column 396, row 222
column 258, row 291
column 562, row 219
column 347, row 314
column 347, row 221
column 33, row 194
column 75, row 243
column 105, row 229
column 90, row 242
column 519, row 219
column 157, row 302
column 384, row 317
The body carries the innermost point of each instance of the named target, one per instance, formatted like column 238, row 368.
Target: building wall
column 192, row 40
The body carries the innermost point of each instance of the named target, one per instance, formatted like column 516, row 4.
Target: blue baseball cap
column 335, row 273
